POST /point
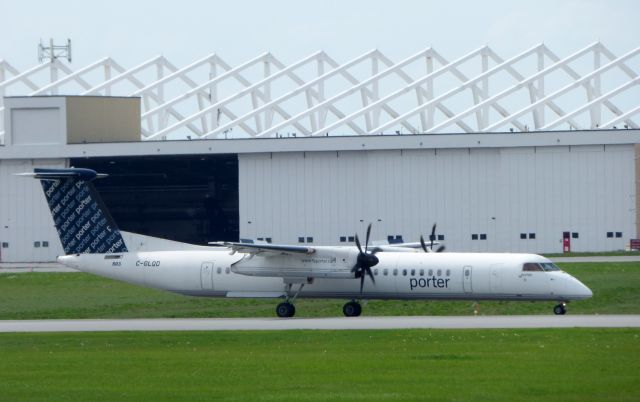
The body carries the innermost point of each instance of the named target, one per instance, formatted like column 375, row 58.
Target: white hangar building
column 531, row 153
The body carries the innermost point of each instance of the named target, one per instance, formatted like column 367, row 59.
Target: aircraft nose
column 578, row 290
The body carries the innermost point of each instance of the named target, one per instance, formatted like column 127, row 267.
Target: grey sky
column 134, row 31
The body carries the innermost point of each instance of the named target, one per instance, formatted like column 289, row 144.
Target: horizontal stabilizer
column 70, row 173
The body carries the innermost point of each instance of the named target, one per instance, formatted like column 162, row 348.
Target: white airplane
column 93, row 243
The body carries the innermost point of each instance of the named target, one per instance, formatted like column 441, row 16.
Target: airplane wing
column 275, row 249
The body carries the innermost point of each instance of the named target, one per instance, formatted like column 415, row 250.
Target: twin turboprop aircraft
column 93, row 243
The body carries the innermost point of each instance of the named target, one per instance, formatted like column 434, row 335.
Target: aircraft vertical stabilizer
column 79, row 214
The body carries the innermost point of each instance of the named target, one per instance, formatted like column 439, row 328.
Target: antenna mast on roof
column 54, row 52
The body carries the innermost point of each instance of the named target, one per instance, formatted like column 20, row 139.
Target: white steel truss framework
column 317, row 96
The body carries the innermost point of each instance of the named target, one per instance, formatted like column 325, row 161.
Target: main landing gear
column 560, row 309
column 352, row 309
column 285, row 309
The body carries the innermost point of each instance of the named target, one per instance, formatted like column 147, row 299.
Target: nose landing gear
column 352, row 309
column 560, row 309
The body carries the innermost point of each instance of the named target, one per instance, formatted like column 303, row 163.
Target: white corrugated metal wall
column 588, row 190
column 500, row 193
column 27, row 233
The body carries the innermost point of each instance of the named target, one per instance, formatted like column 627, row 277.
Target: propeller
column 432, row 237
column 365, row 260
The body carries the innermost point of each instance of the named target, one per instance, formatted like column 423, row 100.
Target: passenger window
column 448, row 272
column 439, row 272
column 385, row 272
column 413, row 272
column 227, row 270
column 375, row 272
column 404, row 272
column 219, row 270
column 531, row 267
column 422, row 272
column 395, row 272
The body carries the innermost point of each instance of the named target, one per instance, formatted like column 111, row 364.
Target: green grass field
column 448, row 365
column 616, row 288
column 633, row 253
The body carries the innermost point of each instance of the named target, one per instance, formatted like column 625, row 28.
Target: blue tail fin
column 81, row 218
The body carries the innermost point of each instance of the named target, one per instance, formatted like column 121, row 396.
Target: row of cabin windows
column 412, row 272
column 385, row 272
column 610, row 234
column 481, row 236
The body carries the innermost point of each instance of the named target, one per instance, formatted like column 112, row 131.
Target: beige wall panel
column 102, row 119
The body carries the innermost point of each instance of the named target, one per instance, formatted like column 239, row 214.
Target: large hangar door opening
column 192, row 199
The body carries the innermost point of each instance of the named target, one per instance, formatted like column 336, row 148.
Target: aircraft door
column 206, row 275
column 496, row 278
column 466, row 279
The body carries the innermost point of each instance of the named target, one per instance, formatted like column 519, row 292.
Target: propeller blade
column 366, row 243
column 365, row 260
column 424, row 246
column 358, row 243
column 440, row 249
column 368, row 271
column 433, row 235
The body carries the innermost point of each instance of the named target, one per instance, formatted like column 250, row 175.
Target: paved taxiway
column 226, row 324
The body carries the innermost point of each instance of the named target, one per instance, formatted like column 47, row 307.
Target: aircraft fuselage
column 401, row 275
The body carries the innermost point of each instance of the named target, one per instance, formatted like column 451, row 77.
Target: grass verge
column 448, row 365
column 620, row 253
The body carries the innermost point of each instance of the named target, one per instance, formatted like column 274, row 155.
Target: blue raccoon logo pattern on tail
column 81, row 218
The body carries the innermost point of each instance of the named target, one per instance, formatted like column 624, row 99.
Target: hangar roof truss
column 370, row 94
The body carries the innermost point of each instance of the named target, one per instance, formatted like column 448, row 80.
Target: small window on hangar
column 188, row 198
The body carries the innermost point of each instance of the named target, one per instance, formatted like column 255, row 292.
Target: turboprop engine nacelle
column 318, row 265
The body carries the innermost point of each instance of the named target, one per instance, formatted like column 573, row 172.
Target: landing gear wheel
column 559, row 309
column 352, row 309
column 285, row 310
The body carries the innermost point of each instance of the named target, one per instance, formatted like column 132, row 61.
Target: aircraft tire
column 559, row 310
column 352, row 309
column 285, row 310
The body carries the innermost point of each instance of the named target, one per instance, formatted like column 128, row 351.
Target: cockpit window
column 549, row 266
column 531, row 266
column 542, row 266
